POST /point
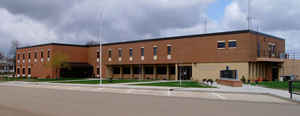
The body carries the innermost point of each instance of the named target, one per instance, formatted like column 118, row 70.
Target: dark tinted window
column 142, row 52
column 169, row 50
column 154, row 51
column 221, row 44
column 232, row 44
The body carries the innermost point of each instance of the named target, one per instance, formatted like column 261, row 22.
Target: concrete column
column 155, row 71
column 176, row 71
column 131, row 71
column 143, row 72
column 168, row 72
column 121, row 72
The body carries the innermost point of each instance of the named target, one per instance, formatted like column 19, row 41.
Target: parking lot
column 79, row 101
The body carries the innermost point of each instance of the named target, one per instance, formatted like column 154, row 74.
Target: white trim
column 169, row 45
column 109, row 59
column 221, row 41
column 231, row 40
column 98, row 59
column 169, row 57
column 155, row 46
column 42, row 59
column 142, row 58
column 154, row 57
column 120, row 59
column 130, row 59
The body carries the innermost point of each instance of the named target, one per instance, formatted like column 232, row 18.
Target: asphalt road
column 19, row 101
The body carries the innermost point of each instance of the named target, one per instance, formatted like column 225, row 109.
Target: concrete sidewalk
column 246, row 89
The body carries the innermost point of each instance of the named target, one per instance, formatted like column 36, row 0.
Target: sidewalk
column 246, row 89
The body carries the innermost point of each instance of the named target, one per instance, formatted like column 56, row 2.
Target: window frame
column 221, row 42
column 230, row 44
column 155, row 48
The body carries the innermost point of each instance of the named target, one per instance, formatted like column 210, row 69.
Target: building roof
column 163, row 38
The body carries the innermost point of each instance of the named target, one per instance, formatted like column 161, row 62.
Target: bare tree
column 57, row 62
column 14, row 45
column 1, row 56
column 92, row 42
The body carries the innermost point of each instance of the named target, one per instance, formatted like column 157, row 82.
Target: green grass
column 37, row 80
column 185, row 84
column 103, row 81
column 278, row 85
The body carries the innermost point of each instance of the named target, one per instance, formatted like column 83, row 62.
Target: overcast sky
column 78, row 21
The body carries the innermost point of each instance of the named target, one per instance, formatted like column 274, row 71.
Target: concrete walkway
column 246, row 89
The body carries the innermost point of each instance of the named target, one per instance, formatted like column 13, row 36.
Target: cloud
column 22, row 28
column 279, row 18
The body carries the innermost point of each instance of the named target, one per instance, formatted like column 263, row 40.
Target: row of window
column 147, row 70
column 231, row 44
column 142, row 51
column 35, row 55
column 23, row 71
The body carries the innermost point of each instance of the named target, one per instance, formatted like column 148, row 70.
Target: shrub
column 243, row 79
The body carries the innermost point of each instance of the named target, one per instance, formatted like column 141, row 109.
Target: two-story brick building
column 251, row 54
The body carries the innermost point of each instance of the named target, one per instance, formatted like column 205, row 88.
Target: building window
column 154, row 51
column 130, row 52
column 272, row 50
column 109, row 53
column 161, row 70
column 232, row 44
column 169, row 50
column 29, row 55
column 18, row 71
column 126, row 70
column 48, row 54
column 120, row 52
column 116, row 70
column 136, row 70
column 221, row 44
column 42, row 54
column 172, row 70
column 142, row 51
column 18, row 56
column 24, row 56
column 148, row 70
column 98, row 54
column 35, row 55
column 29, row 71
column 23, row 71
column 98, row 71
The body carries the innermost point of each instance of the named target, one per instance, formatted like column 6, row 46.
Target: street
column 17, row 101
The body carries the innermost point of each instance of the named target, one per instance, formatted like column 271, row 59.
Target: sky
column 34, row 22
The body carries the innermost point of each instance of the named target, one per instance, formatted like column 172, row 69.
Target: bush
column 243, row 79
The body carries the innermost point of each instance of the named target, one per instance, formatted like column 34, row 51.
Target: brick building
column 253, row 55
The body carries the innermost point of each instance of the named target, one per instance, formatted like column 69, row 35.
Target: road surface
column 22, row 101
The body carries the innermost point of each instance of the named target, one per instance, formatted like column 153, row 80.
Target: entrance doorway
column 184, row 72
column 275, row 74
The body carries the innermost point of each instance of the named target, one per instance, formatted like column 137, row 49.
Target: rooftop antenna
column 249, row 18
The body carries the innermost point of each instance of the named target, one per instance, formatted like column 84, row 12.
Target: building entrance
column 184, row 72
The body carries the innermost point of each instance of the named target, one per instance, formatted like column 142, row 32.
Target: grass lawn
column 186, row 84
column 278, row 85
column 103, row 81
column 38, row 80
